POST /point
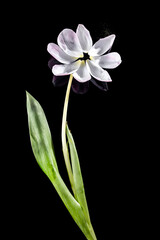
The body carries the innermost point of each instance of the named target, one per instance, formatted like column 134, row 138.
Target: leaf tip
column 28, row 95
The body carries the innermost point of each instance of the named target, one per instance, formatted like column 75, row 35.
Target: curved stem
column 84, row 225
column 64, row 142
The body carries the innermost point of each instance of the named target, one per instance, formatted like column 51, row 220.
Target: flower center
column 85, row 57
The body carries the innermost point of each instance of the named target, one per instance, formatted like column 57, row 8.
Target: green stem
column 64, row 142
column 78, row 215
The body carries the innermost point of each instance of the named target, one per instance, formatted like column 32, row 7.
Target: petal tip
column 113, row 37
column 80, row 25
column 109, row 80
column 49, row 47
column 53, row 70
column 119, row 61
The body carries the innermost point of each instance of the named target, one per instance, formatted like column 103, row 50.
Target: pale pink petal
column 84, row 38
column 59, row 54
column 65, row 69
column 97, row 72
column 69, row 42
column 82, row 74
column 110, row 60
column 102, row 46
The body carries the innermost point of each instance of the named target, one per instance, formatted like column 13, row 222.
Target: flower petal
column 110, row 60
column 69, row 42
column 80, row 88
column 102, row 46
column 82, row 74
column 84, row 38
column 97, row 72
column 59, row 54
column 99, row 84
column 65, row 69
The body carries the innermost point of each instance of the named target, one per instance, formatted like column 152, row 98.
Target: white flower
column 81, row 58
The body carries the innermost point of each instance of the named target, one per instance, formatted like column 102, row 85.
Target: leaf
column 40, row 137
column 42, row 146
column 77, row 175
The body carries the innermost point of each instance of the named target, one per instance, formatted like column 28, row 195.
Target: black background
column 104, row 124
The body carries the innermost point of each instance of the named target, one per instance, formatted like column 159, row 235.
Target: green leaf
column 42, row 146
column 77, row 175
column 40, row 137
column 74, row 208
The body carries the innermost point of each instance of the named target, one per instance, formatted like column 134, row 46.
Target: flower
column 79, row 57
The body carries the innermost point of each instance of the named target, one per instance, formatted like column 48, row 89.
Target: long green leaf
column 42, row 146
column 77, row 175
column 40, row 137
